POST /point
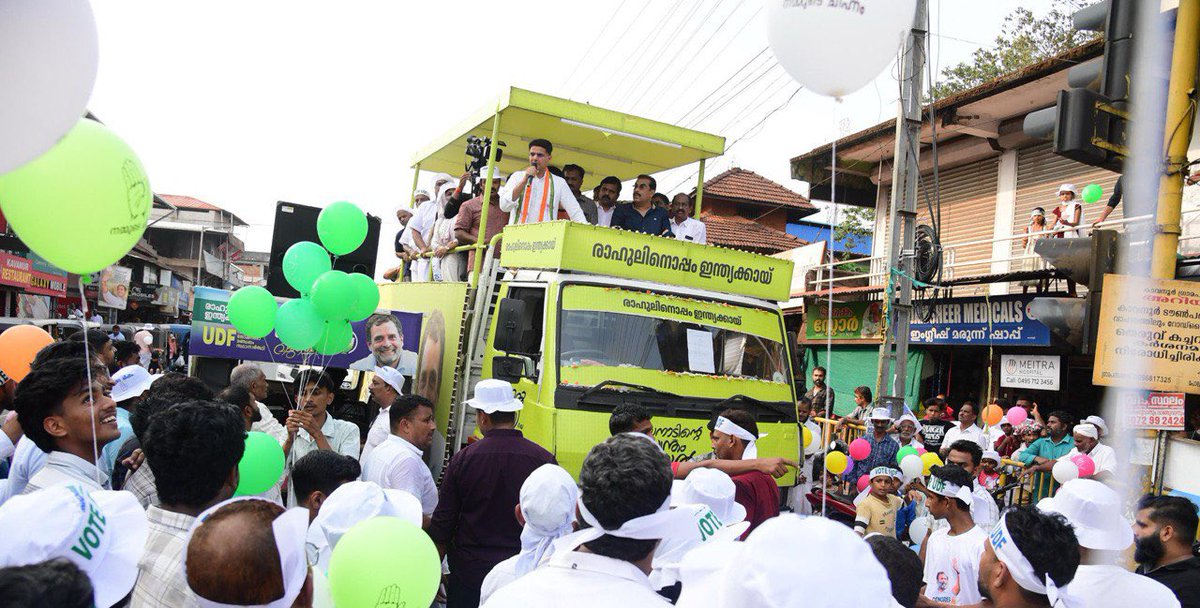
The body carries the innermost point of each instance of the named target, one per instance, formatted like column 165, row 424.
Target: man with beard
column 396, row 463
column 574, row 176
column 606, row 200
column 1163, row 531
column 1026, row 552
column 684, row 227
column 642, row 216
column 385, row 387
column 385, row 338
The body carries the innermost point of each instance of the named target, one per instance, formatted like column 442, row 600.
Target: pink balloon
column 860, row 448
column 1087, row 466
column 921, row 450
column 863, row 482
column 1017, row 415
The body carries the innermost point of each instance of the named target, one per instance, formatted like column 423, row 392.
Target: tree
column 857, row 223
column 1025, row 39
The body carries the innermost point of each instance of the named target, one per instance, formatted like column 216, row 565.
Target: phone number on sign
column 1166, row 422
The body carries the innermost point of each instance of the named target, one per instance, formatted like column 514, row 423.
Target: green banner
column 579, row 247
column 850, row 321
column 714, row 314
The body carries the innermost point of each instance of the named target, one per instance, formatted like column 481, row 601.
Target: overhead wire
column 666, row 68
column 738, row 89
column 779, row 84
column 592, row 46
column 636, row 57
column 708, row 97
column 669, row 43
column 616, row 43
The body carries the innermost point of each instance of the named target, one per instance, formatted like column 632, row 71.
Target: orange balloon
column 18, row 345
column 992, row 414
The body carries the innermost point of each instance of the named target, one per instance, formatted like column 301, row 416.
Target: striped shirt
column 160, row 581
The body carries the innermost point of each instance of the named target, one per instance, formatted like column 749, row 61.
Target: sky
column 245, row 103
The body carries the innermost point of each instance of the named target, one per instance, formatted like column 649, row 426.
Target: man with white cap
column 907, row 430
column 1087, row 441
column 418, row 236
column 396, row 464
column 711, row 495
column 193, row 448
column 129, row 386
column 101, row 532
column 767, row 571
column 547, row 513
column 733, row 438
column 1068, row 215
column 883, row 447
column 952, row 554
column 470, row 216
column 351, row 503
column 474, row 525
column 1095, row 511
column 1029, row 559
column 624, row 509
column 249, row 552
column 385, row 387
column 1099, row 423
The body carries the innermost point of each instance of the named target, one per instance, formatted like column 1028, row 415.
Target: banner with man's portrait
column 114, row 287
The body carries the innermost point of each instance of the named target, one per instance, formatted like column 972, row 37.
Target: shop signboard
column 1039, row 372
column 1149, row 334
column 998, row 321
column 214, row 336
column 850, row 321
column 31, row 277
column 1157, row 411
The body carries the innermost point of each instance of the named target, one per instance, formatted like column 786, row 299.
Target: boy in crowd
column 952, row 554
column 877, row 511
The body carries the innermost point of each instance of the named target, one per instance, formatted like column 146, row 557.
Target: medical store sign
column 1039, row 372
column 999, row 321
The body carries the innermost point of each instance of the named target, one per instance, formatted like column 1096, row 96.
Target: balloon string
column 829, row 284
column 87, row 361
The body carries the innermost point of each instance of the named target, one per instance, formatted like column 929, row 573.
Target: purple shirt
column 474, row 518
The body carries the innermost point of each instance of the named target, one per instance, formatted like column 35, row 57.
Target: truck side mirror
column 512, row 323
column 512, row 368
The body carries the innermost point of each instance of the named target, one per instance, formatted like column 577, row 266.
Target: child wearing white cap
column 1095, row 511
column 989, row 470
column 1068, row 215
column 877, row 511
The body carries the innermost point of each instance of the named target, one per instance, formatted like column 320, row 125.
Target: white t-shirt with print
column 952, row 566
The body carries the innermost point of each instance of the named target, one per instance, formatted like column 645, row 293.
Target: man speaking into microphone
column 536, row 194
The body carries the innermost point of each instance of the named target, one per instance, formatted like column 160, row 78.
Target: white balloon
column 918, row 529
column 912, row 466
column 836, row 47
column 48, row 62
column 1064, row 471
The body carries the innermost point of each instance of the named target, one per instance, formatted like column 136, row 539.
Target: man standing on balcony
column 535, row 194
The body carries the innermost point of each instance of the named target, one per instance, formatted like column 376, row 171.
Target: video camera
column 479, row 148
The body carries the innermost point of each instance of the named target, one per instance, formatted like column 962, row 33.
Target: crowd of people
column 448, row 216
column 155, row 521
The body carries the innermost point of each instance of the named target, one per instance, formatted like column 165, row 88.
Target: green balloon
column 1092, row 193
column 298, row 324
column 334, row 295
column 368, row 296
column 83, row 205
column 261, row 465
column 303, row 263
column 905, row 451
column 342, row 227
column 384, row 561
column 251, row 310
column 337, row 336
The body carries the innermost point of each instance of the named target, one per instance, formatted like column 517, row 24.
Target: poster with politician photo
column 114, row 287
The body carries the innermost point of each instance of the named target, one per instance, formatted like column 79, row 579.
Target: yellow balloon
column 807, row 436
column 835, row 462
column 930, row 460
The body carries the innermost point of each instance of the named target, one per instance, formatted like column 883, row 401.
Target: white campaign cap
column 130, row 381
column 992, row 455
column 767, row 571
column 351, row 503
column 710, row 487
column 1086, row 429
column 102, row 532
column 907, row 415
column 421, row 192
column 392, row 376
column 1067, row 188
column 547, row 502
column 493, row 396
column 288, row 529
column 729, row 427
column 1036, row 212
column 497, row 175
column 880, row 413
column 1094, row 510
column 1097, row 422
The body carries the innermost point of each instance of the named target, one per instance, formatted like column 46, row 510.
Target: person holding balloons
column 1103, row 459
column 876, row 449
column 1040, row 456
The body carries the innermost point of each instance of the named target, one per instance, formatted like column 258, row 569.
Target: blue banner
column 998, row 321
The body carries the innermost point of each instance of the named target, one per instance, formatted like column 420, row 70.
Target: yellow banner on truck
column 579, row 247
column 1149, row 334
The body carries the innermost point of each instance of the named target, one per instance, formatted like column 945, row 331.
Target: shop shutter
column 1039, row 174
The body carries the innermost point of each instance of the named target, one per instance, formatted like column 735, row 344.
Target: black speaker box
column 295, row 223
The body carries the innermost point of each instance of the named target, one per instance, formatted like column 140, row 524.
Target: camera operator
column 536, row 195
column 466, row 225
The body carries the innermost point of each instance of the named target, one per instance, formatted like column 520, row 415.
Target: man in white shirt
column 952, row 554
column 684, row 227
column 251, row 377
column 387, row 384
column 1036, row 549
column 625, row 484
column 1095, row 511
column 396, row 463
column 606, row 200
column 966, row 429
column 540, row 201
column 1087, row 441
column 311, row 427
column 966, row 454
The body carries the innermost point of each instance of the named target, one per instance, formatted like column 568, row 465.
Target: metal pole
column 1178, row 134
column 893, row 353
column 200, row 257
column 700, row 190
column 486, row 202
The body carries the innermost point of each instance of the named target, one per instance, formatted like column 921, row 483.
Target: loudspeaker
column 295, row 223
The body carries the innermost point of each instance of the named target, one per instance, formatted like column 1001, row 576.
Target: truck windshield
column 613, row 339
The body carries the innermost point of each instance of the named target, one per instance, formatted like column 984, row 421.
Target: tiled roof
column 747, row 186
column 737, row 232
column 187, row 202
